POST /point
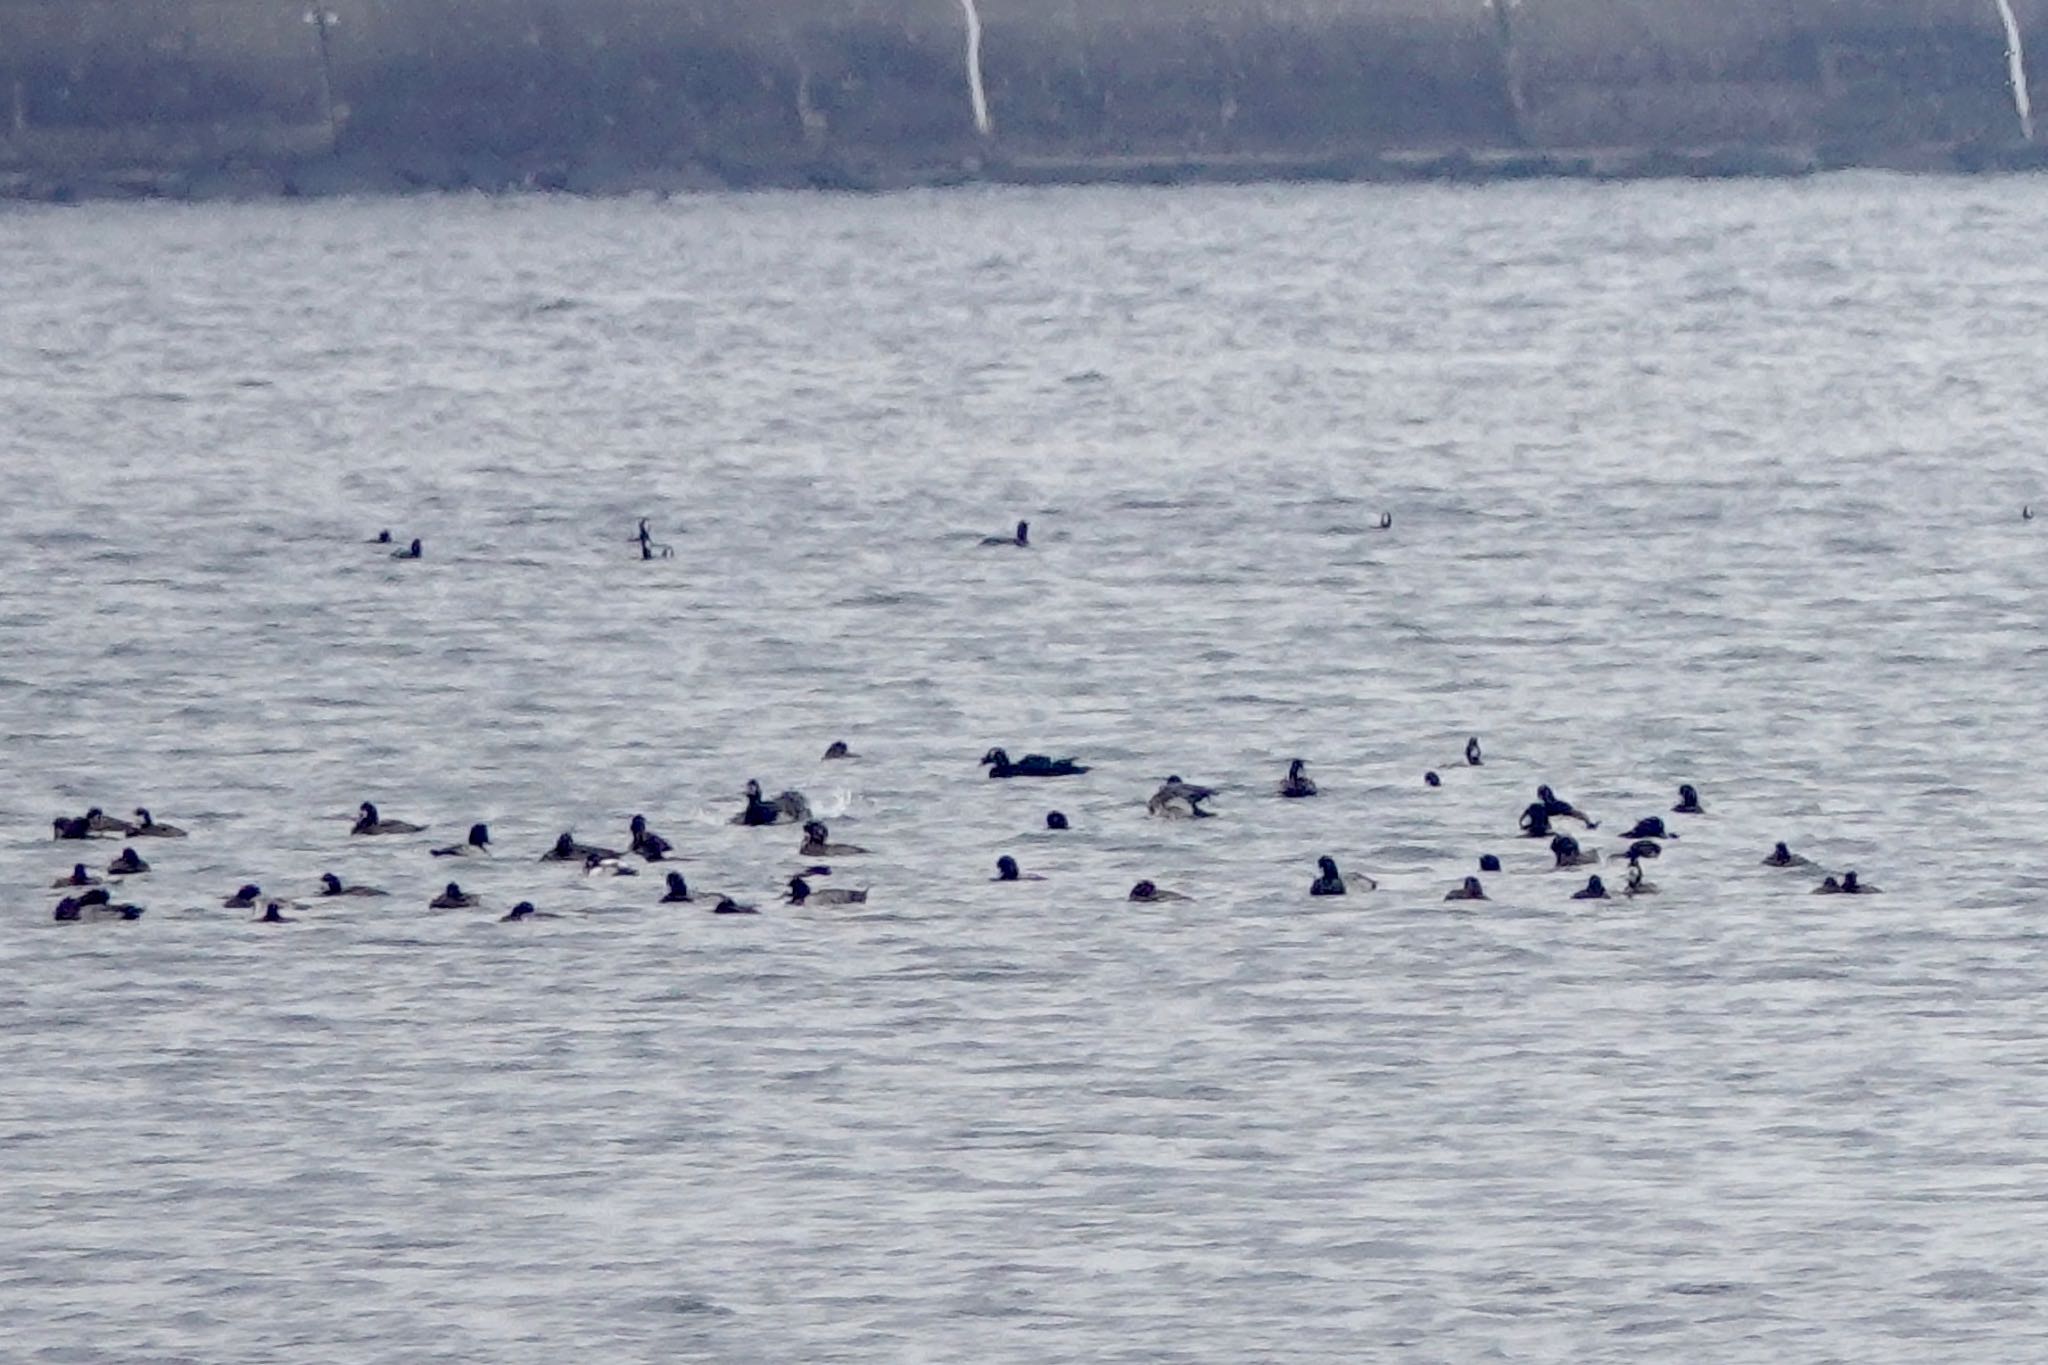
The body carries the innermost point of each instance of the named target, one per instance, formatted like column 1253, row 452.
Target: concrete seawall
column 254, row 96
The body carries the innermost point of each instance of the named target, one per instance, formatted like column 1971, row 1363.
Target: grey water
column 1718, row 484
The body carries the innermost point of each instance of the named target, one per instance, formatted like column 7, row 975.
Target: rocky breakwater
column 210, row 97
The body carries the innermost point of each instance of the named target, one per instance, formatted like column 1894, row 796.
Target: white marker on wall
column 976, row 95
column 2016, row 62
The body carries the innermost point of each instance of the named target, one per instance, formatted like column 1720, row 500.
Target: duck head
column 1055, row 820
column 1006, row 869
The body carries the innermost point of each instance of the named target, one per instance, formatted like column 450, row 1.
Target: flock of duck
column 87, row 896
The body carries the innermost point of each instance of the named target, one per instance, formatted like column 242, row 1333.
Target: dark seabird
column 1297, row 784
column 818, row 843
column 1021, row 540
column 370, row 822
column 800, row 893
column 1031, row 765
column 1176, row 799
column 479, row 842
column 147, row 828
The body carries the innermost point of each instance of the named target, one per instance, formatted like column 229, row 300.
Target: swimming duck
column 478, row 844
column 67, row 827
column 837, row 750
column 452, row 898
column 646, row 842
column 382, row 538
column 1828, row 887
column 567, row 850
column 728, row 906
column 1471, row 890
column 597, row 865
column 273, row 913
column 1852, row 887
column 1473, row 757
column 330, row 885
column 1535, row 821
column 1594, row 891
column 787, row 807
column 71, row 911
column 649, row 547
column 1176, row 799
column 369, row 822
column 1488, row 863
column 1636, row 885
column 147, row 828
column 1021, row 540
column 800, row 893
column 411, row 551
column 1007, row 871
column 1643, row 848
column 1148, row 894
column 1567, row 852
column 678, row 890
column 129, row 864
column 525, row 910
column 1651, row 828
column 1055, row 820
column 818, row 843
column 1559, row 809
column 99, row 822
column 1329, row 883
column 1297, row 784
column 1781, row 856
column 1430, row 779
column 79, row 877
column 1688, row 802
column 1386, row 521
column 1031, row 765
column 245, row 898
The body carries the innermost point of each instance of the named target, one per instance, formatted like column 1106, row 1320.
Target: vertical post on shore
column 2016, row 66
column 1511, row 67
column 977, row 96
column 322, row 20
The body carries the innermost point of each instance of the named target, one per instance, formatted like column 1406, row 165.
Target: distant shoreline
column 374, row 177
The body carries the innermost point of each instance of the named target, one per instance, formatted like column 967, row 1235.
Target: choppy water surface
column 1717, row 484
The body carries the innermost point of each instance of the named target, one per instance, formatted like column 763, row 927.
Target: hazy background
column 592, row 93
